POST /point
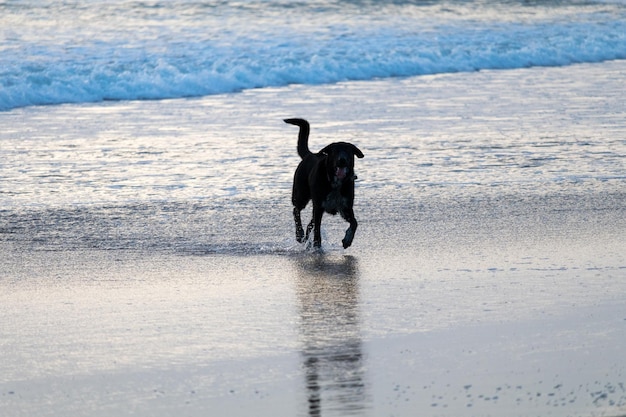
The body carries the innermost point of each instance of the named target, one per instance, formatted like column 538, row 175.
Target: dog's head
column 340, row 160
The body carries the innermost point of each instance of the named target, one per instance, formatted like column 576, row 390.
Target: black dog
column 326, row 178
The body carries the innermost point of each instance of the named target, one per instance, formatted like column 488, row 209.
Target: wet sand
column 513, row 318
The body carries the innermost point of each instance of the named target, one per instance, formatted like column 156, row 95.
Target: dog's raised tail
column 303, row 135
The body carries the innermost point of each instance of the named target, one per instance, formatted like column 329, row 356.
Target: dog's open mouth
column 341, row 173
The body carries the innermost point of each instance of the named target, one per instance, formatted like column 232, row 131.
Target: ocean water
column 90, row 51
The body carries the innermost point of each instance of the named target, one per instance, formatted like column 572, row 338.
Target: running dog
column 327, row 179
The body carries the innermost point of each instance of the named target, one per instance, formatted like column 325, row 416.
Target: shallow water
column 149, row 264
column 214, row 174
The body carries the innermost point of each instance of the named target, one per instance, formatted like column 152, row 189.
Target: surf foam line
column 46, row 74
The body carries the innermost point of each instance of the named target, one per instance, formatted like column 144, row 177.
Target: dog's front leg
column 318, row 212
column 308, row 230
column 349, row 236
column 298, row 220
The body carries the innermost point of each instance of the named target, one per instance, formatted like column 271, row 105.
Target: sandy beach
column 487, row 277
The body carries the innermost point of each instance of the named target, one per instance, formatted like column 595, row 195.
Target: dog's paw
column 347, row 240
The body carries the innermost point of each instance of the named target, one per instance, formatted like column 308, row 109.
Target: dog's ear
column 357, row 152
column 327, row 149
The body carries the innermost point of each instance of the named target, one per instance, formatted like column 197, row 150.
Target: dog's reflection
column 328, row 295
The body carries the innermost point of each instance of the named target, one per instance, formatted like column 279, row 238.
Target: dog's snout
column 342, row 162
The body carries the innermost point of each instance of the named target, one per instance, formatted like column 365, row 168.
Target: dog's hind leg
column 348, row 214
column 298, row 220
